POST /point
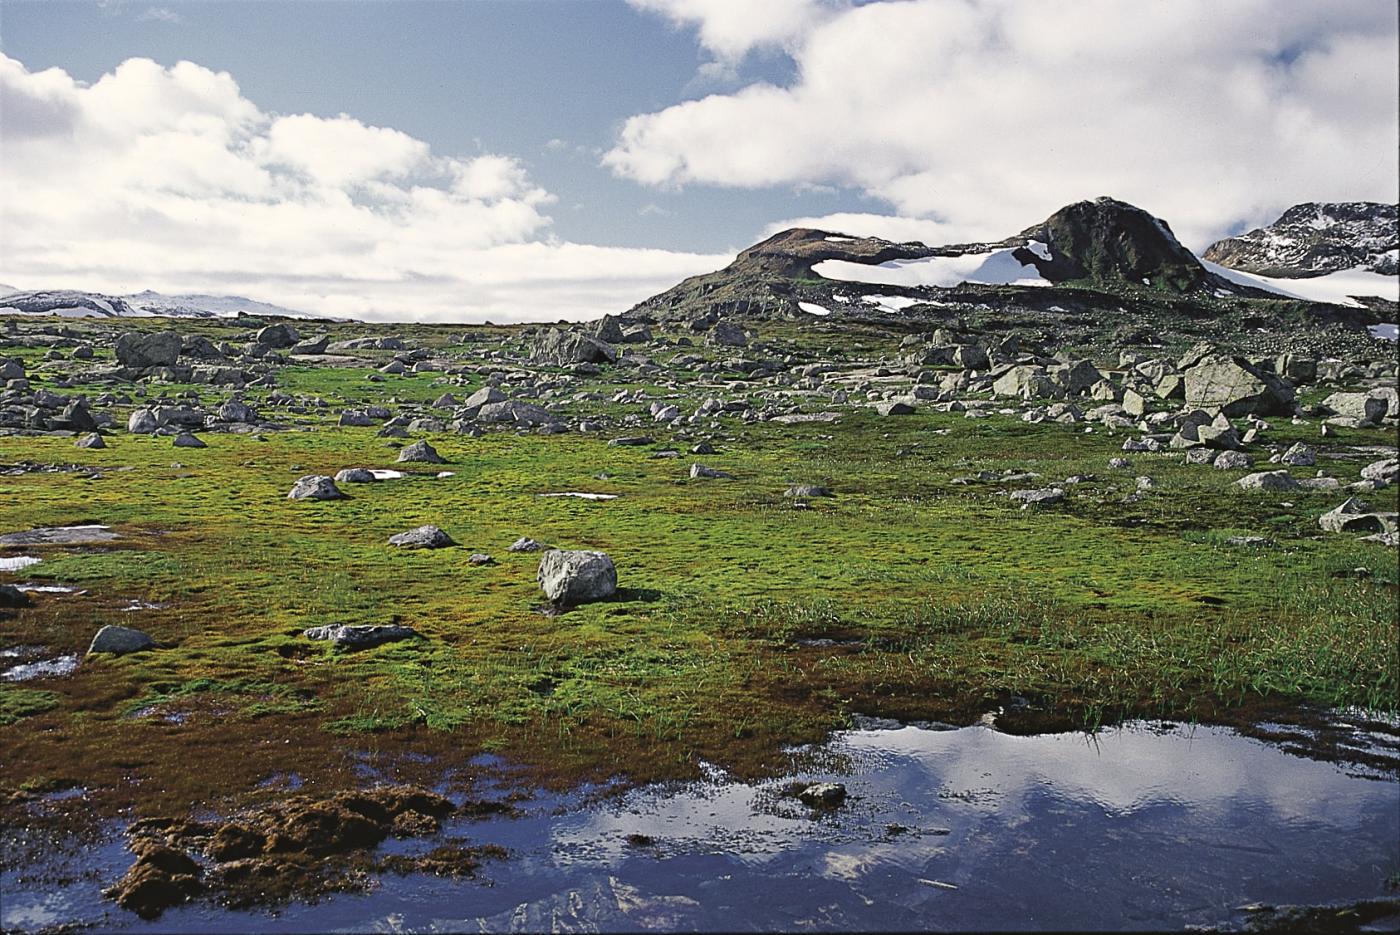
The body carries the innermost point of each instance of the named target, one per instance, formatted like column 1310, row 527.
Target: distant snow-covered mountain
column 71, row 303
column 208, row 306
column 1317, row 239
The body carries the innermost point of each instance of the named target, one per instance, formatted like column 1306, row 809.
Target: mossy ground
column 939, row 600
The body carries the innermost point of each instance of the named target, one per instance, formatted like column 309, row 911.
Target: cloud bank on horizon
column 973, row 119
column 969, row 119
column 169, row 178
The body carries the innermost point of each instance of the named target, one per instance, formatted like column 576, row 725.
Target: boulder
column 698, row 471
column 1232, row 461
column 10, row 369
column 482, row 397
column 894, row 407
column 563, row 348
column 1361, row 406
column 11, row 596
column 422, row 452
column 312, row 345
column 526, row 544
column 726, row 334
column 424, row 537
column 823, row 795
column 1386, row 470
column 186, row 440
column 1355, row 516
column 142, row 422
column 91, row 440
column 354, row 476
column 805, row 491
column 571, row 577
column 1027, row 382
column 1299, row 455
column 277, row 337
column 120, row 640
column 360, row 637
column 141, row 351
column 1045, row 496
column 1267, row 480
column 315, row 487
column 235, row 410
column 1234, row 387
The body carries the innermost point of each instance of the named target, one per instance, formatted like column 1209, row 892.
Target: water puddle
column 1151, row 826
column 89, row 534
column 42, row 669
column 135, row 605
column 581, row 496
column 18, row 562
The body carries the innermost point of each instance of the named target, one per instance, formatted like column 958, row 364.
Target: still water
column 1148, row 826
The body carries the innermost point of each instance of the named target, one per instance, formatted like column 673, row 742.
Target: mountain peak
column 1316, row 238
column 1107, row 240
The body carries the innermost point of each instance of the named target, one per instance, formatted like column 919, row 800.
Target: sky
column 515, row 160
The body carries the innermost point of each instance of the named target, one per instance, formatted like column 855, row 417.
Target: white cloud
column 987, row 115
column 160, row 14
column 730, row 29
column 168, row 178
column 889, row 227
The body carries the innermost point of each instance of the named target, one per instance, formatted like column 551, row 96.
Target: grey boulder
column 420, row 451
column 1267, row 480
column 315, row 487
column 142, row 422
column 360, row 637
column 142, row 351
column 120, row 640
column 424, row 537
column 571, row 577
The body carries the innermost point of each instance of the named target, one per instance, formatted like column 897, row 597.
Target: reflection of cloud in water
column 1133, row 829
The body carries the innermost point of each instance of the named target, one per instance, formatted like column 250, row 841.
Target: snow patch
column 997, row 268
column 582, row 496
column 1337, row 288
column 1385, row 332
column 891, row 303
column 1041, row 250
column 812, row 308
column 18, row 562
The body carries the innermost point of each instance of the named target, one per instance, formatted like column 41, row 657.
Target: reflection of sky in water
column 1134, row 828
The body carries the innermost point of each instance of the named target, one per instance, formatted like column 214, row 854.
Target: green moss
column 16, row 702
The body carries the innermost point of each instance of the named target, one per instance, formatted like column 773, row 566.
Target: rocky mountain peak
column 1105, row 241
column 1317, row 238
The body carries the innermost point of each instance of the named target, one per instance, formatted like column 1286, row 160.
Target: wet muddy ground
column 1149, row 826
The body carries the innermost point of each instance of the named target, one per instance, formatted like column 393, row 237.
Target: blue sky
column 540, row 159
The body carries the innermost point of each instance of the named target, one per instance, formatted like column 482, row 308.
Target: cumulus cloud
column 169, row 178
column 730, row 29
column 987, row 115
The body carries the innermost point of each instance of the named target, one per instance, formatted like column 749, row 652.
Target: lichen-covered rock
column 142, row 351
column 315, row 487
column 142, row 422
column 1235, row 387
column 577, row 576
column 1267, row 480
column 424, row 537
column 360, row 637
column 420, row 451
